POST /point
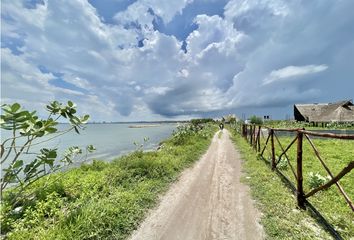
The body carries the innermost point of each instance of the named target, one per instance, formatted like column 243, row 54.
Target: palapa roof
column 342, row 111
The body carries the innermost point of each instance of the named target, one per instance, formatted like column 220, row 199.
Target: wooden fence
column 254, row 133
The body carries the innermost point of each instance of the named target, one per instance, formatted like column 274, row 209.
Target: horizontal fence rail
column 254, row 133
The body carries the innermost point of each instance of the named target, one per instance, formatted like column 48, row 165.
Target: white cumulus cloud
column 285, row 73
column 128, row 69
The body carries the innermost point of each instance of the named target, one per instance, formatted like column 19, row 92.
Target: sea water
column 110, row 140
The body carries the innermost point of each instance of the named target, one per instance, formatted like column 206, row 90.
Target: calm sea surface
column 110, row 140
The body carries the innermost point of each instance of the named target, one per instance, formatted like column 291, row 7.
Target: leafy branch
column 28, row 126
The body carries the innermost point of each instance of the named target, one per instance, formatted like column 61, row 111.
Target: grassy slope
column 281, row 219
column 104, row 200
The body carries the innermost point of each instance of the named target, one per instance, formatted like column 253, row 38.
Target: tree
column 256, row 120
column 27, row 130
column 199, row 121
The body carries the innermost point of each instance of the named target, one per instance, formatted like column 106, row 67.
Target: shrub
column 27, row 130
column 282, row 164
column 201, row 121
column 316, row 180
column 184, row 132
column 256, row 120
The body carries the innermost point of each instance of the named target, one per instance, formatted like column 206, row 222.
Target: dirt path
column 207, row 202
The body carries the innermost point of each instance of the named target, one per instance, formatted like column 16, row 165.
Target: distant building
column 342, row 112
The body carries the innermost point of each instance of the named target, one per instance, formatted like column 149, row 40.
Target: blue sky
column 122, row 60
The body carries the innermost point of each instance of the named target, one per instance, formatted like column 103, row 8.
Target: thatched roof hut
column 342, row 111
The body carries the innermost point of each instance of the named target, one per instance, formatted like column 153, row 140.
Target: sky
column 130, row 60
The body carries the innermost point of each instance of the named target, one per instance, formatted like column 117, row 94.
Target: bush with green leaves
column 27, row 130
column 282, row 163
column 184, row 131
column 199, row 121
column 236, row 126
column 256, row 120
column 139, row 147
column 316, row 180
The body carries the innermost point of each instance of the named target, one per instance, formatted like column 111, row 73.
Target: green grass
column 281, row 217
column 308, row 126
column 330, row 203
column 103, row 200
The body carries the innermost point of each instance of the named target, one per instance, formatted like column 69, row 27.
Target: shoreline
column 123, row 191
column 143, row 126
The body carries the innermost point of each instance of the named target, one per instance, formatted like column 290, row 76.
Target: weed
column 316, row 180
column 282, row 164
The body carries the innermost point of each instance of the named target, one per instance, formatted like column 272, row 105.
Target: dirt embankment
column 207, row 202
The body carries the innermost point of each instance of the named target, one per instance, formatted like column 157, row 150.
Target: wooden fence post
column 251, row 135
column 300, row 190
column 259, row 139
column 246, row 129
column 273, row 149
column 254, row 136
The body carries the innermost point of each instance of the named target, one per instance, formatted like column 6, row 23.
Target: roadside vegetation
column 23, row 160
column 256, row 120
column 281, row 217
column 103, row 200
column 296, row 124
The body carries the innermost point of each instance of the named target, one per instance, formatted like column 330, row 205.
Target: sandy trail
column 207, row 202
